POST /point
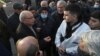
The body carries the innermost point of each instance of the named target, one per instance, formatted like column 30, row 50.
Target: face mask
column 82, row 53
column 43, row 15
column 96, row 6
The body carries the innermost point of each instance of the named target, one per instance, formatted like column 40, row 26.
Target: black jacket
column 46, row 26
column 4, row 36
column 58, row 18
column 12, row 24
column 3, row 15
column 23, row 31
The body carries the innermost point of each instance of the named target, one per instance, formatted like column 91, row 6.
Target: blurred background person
column 97, row 5
column 72, row 1
column 4, row 35
column 28, row 3
column 86, row 10
column 13, row 21
column 33, row 10
column 45, row 3
column 91, row 2
column 94, row 21
column 52, row 5
column 3, row 15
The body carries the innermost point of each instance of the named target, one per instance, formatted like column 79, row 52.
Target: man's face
column 68, row 16
column 60, row 8
column 94, row 23
column 29, row 19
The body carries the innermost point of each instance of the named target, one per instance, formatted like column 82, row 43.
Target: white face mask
column 43, row 15
column 96, row 5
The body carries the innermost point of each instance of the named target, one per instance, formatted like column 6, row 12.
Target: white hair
column 62, row 2
column 92, row 42
column 23, row 15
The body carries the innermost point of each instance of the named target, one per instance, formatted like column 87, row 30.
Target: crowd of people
column 51, row 28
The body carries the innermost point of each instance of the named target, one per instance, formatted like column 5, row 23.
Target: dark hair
column 74, row 9
column 98, row 1
column 18, row 6
column 43, row 8
column 73, row 1
column 95, row 14
column 32, row 50
column 32, row 8
column 83, row 0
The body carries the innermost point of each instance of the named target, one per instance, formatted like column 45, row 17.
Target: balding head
column 25, row 44
column 44, row 3
column 27, row 18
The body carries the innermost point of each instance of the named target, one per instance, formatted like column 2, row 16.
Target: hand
column 61, row 50
column 47, row 39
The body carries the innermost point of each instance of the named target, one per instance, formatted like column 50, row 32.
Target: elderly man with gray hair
column 27, row 25
column 58, row 14
column 90, row 44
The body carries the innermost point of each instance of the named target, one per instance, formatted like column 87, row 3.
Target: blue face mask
column 44, row 15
